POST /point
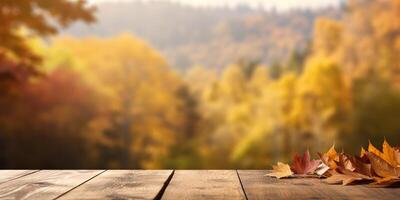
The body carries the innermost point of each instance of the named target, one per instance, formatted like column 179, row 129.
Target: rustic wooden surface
column 123, row 184
column 46, row 184
column 174, row 184
column 7, row 175
column 257, row 186
column 207, row 184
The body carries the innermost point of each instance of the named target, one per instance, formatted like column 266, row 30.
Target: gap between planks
column 59, row 196
column 19, row 176
column 157, row 197
column 241, row 185
column 164, row 187
column 204, row 184
column 329, row 191
column 167, row 182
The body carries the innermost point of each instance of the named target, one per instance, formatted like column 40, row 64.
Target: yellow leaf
column 330, row 157
column 362, row 152
column 397, row 155
column 281, row 170
column 374, row 150
column 389, row 154
column 332, row 154
column 381, row 167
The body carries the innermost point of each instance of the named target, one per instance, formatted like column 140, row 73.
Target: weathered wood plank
column 46, row 184
column 204, row 184
column 257, row 186
column 8, row 175
column 122, row 184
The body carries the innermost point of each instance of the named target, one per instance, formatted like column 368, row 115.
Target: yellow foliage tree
column 142, row 114
column 321, row 103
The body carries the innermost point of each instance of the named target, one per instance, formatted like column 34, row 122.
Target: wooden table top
column 174, row 185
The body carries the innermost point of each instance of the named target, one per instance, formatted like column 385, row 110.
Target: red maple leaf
column 304, row 165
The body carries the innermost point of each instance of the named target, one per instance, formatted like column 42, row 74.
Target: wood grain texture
column 204, row 184
column 122, row 184
column 8, row 175
column 258, row 186
column 46, row 184
column 184, row 184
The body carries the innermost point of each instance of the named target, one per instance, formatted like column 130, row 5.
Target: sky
column 268, row 4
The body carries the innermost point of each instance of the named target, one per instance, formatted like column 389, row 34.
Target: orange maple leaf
column 389, row 154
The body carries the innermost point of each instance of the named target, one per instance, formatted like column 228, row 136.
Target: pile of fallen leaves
column 370, row 167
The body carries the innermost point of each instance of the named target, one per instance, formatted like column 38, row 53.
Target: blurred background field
column 191, row 85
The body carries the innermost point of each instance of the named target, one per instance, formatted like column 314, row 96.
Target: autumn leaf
column 389, row 154
column 346, row 177
column 345, row 162
column 385, row 164
column 304, row 165
column 397, row 156
column 354, row 164
column 281, row 170
column 361, row 166
column 362, row 153
column 331, row 154
column 330, row 158
column 373, row 149
column 381, row 167
column 387, row 181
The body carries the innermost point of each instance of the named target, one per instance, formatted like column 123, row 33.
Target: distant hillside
column 213, row 37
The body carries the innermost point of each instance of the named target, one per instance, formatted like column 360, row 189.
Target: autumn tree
column 322, row 103
column 365, row 44
column 49, row 120
column 267, row 137
column 35, row 18
column 27, row 108
column 327, row 37
column 146, row 107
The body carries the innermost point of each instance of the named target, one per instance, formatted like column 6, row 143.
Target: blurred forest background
column 165, row 85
